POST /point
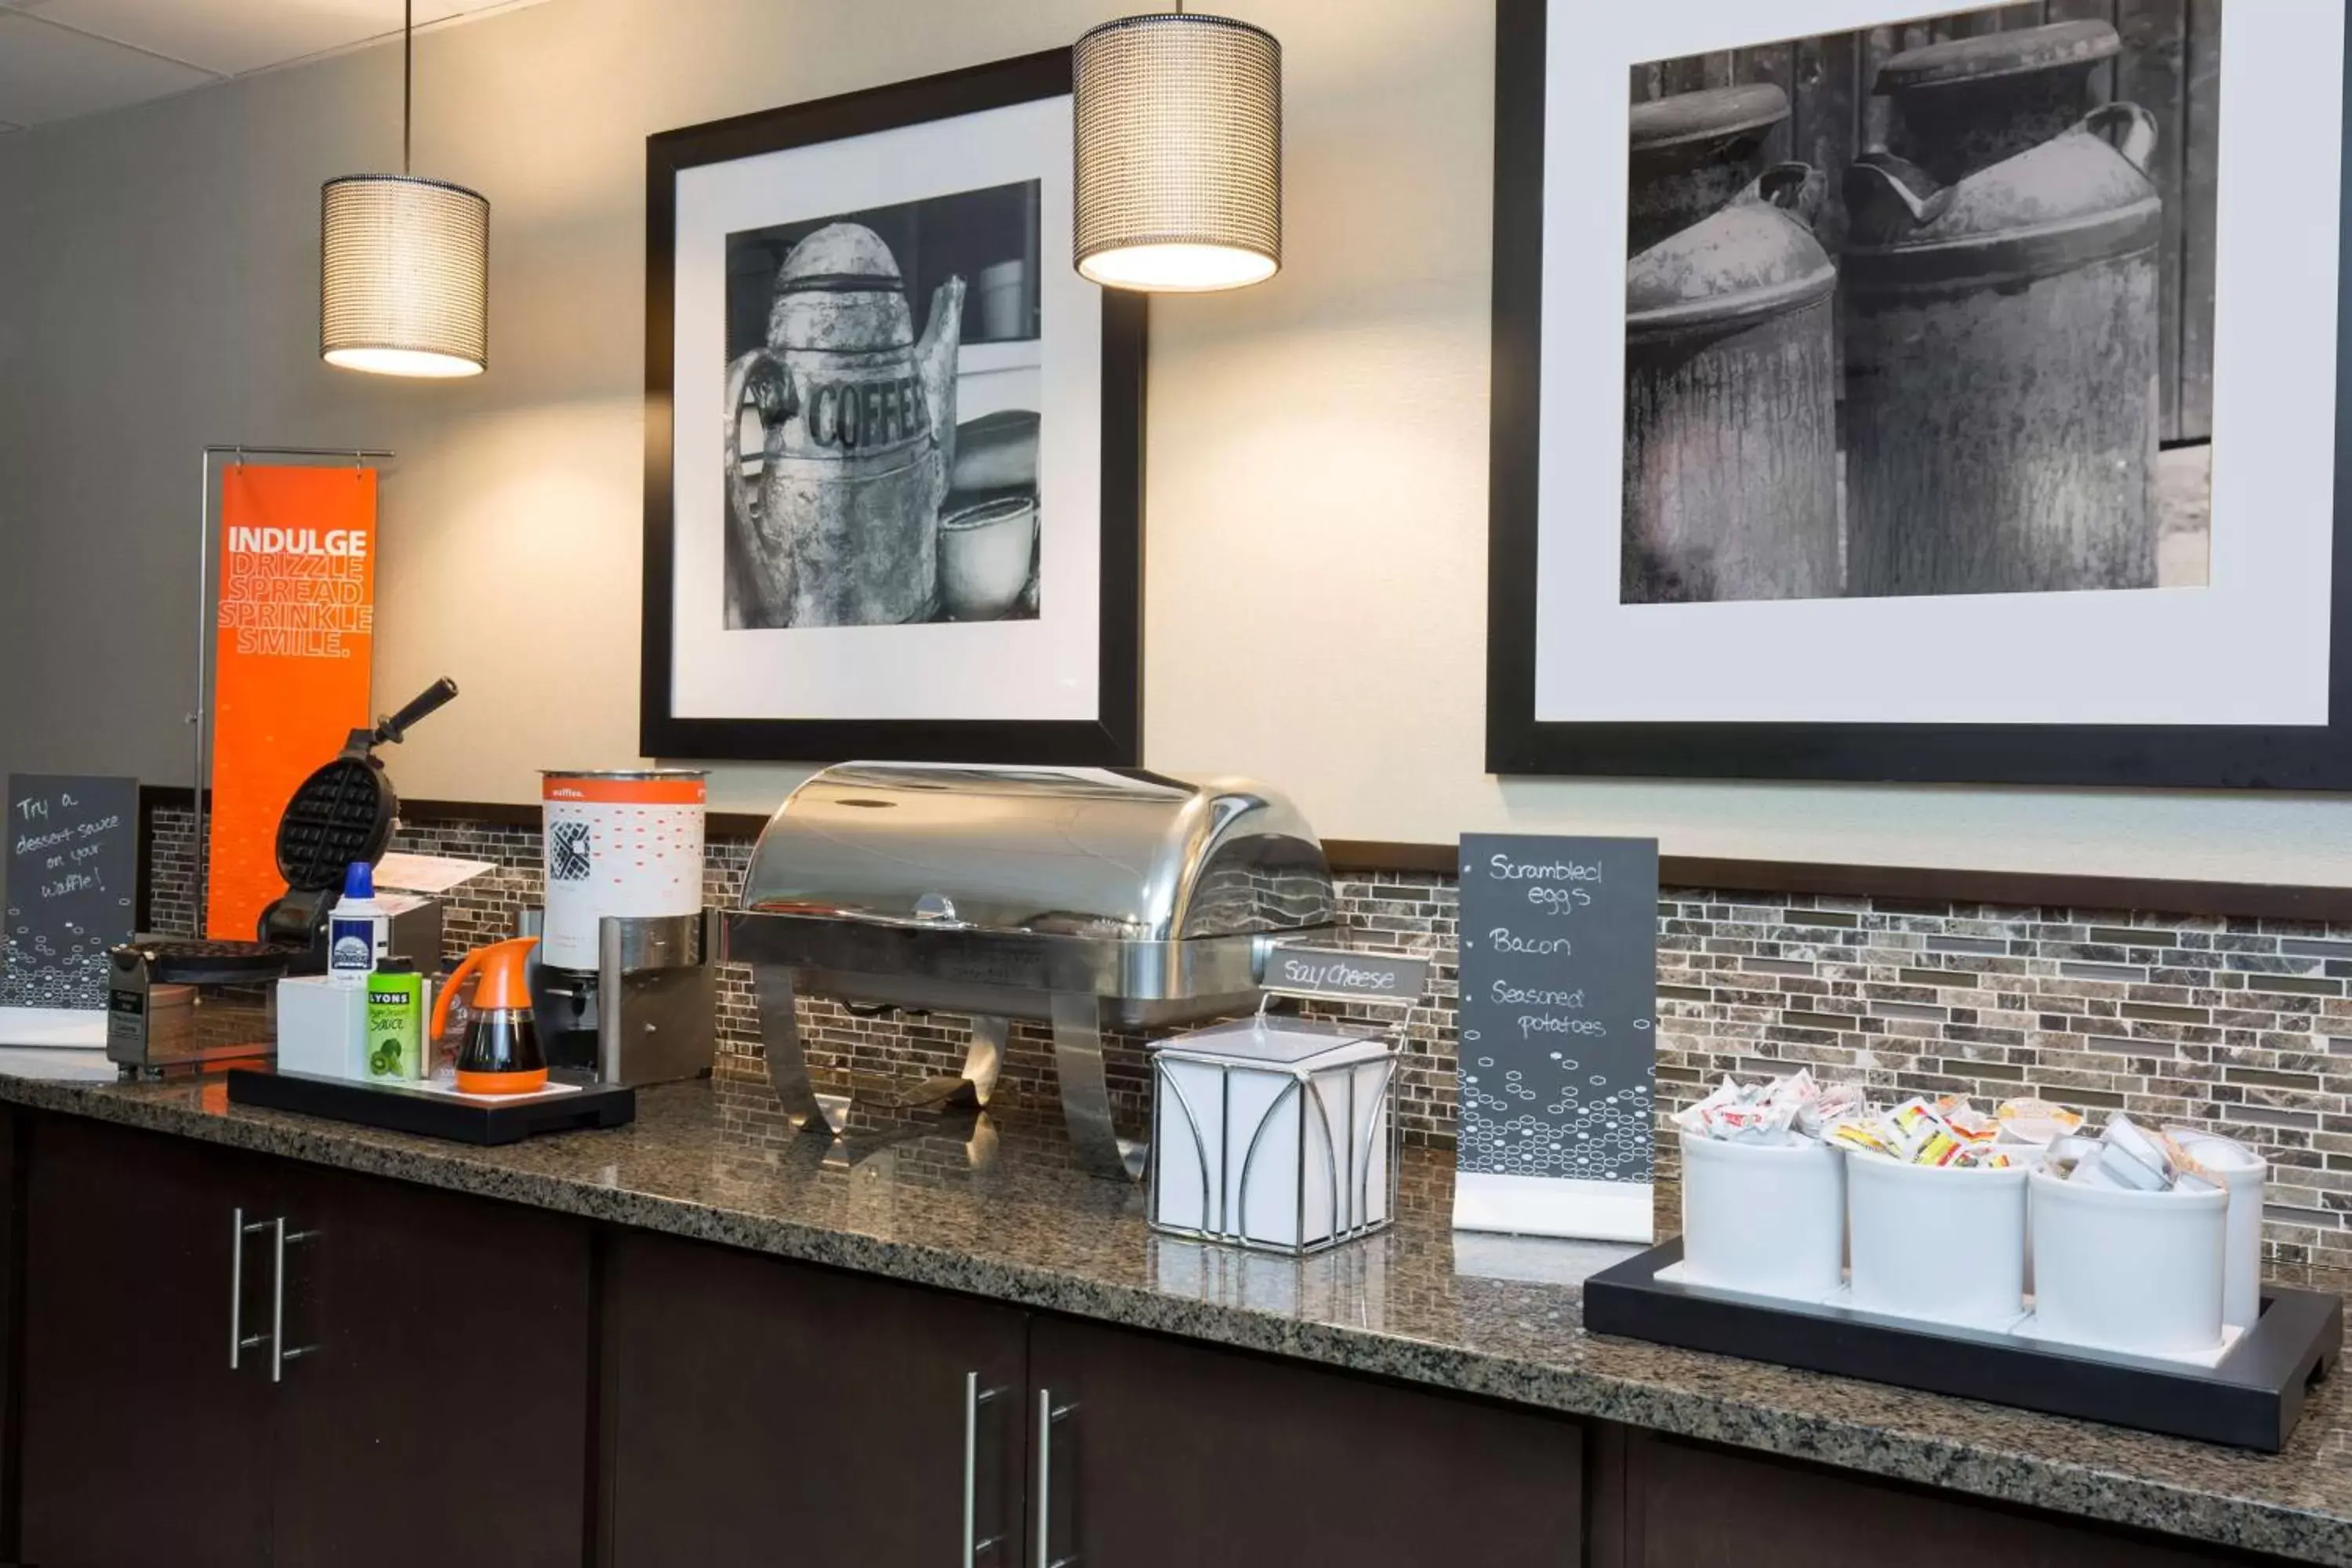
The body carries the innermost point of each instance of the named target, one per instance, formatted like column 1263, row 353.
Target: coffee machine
column 623, row 981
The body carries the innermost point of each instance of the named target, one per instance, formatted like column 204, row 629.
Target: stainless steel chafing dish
column 1082, row 898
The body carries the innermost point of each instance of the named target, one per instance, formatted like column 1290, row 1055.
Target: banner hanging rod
column 240, row 449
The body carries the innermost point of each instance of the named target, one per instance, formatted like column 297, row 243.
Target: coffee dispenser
column 622, row 980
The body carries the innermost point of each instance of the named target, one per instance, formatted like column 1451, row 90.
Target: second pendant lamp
column 1178, row 154
column 404, row 264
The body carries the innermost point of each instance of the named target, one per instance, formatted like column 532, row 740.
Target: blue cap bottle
column 358, row 932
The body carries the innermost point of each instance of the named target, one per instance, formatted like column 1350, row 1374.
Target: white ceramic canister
column 2127, row 1270
column 1940, row 1242
column 1765, row 1218
column 2246, row 1173
column 997, row 290
column 625, row 844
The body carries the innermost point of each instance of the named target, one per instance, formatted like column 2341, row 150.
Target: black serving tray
column 398, row 1109
column 2252, row 1400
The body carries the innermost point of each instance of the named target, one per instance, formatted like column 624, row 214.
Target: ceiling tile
column 226, row 36
column 54, row 73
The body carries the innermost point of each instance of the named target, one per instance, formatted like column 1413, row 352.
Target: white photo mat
column 1042, row 670
column 2250, row 650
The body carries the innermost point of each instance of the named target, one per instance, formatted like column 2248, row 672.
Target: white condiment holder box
column 1279, row 1132
column 322, row 1027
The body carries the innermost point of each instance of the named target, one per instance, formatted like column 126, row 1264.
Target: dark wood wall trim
column 1372, row 855
column 1921, row 884
column 2053, row 889
column 501, row 813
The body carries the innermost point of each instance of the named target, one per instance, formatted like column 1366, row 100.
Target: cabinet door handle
column 280, row 1239
column 974, row 1396
column 240, row 1341
column 1048, row 1414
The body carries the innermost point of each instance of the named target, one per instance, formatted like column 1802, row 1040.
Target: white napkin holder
column 1279, row 1132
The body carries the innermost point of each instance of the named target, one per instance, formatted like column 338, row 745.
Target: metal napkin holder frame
column 1224, row 1222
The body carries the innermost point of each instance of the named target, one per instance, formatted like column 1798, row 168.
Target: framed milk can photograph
column 1939, row 364
column 893, row 440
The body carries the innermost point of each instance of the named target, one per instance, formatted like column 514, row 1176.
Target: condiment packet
column 1784, row 1111
column 2130, row 1158
column 2027, row 1119
column 1945, row 1132
column 1862, row 1133
column 2068, row 1150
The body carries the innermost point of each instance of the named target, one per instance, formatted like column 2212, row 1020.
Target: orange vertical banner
column 292, row 657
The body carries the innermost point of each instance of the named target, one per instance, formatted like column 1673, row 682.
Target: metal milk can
column 840, row 527
column 1967, row 103
column 1692, row 152
column 2001, row 337
column 1730, row 480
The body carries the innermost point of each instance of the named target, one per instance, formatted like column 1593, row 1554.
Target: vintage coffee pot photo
column 856, row 420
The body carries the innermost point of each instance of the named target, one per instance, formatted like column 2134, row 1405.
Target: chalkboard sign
column 1559, row 981
column 73, row 866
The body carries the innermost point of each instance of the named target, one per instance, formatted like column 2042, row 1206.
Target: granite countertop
column 994, row 1209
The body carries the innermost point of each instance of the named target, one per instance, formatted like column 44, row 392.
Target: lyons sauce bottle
column 395, row 1021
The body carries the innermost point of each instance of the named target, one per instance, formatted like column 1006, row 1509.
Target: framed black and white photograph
column 894, row 471
column 1944, row 371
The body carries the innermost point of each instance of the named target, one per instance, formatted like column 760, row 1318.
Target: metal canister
column 1730, row 480
column 1691, row 154
column 1968, row 103
column 2002, row 328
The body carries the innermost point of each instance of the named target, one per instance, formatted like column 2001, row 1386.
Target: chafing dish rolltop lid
column 1081, row 897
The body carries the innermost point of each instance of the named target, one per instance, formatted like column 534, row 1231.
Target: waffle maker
column 345, row 811
column 342, row 813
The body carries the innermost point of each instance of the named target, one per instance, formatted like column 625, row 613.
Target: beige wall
column 1317, row 446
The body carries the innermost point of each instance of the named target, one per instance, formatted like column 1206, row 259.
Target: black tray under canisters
column 398, row 1109
column 2253, row 1399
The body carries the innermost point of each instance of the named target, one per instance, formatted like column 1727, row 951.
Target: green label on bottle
column 396, row 1026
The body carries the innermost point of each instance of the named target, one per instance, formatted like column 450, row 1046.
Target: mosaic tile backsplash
column 2241, row 1026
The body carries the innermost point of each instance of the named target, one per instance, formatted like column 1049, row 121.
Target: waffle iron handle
column 436, row 697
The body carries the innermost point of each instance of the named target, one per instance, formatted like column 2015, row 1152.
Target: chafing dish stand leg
column 1085, row 1091
column 788, row 1073
column 984, row 1057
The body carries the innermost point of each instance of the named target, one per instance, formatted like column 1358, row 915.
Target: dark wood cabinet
column 760, row 1412
column 439, row 1411
column 142, row 1446
column 1164, row 1455
column 1686, row 1502
column 432, row 1405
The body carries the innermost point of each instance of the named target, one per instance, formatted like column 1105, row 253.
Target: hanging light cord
column 408, row 71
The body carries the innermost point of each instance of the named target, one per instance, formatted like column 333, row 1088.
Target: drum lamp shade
column 403, row 276
column 1178, row 154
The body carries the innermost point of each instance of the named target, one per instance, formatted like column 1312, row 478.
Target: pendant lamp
column 404, row 264
column 1178, row 154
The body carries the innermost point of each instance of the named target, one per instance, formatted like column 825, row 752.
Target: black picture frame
column 1114, row 737
column 2310, row 757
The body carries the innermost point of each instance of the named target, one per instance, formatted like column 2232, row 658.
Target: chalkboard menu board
column 1559, row 992
column 73, row 866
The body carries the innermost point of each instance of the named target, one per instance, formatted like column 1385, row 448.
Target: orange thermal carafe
column 501, row 1054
